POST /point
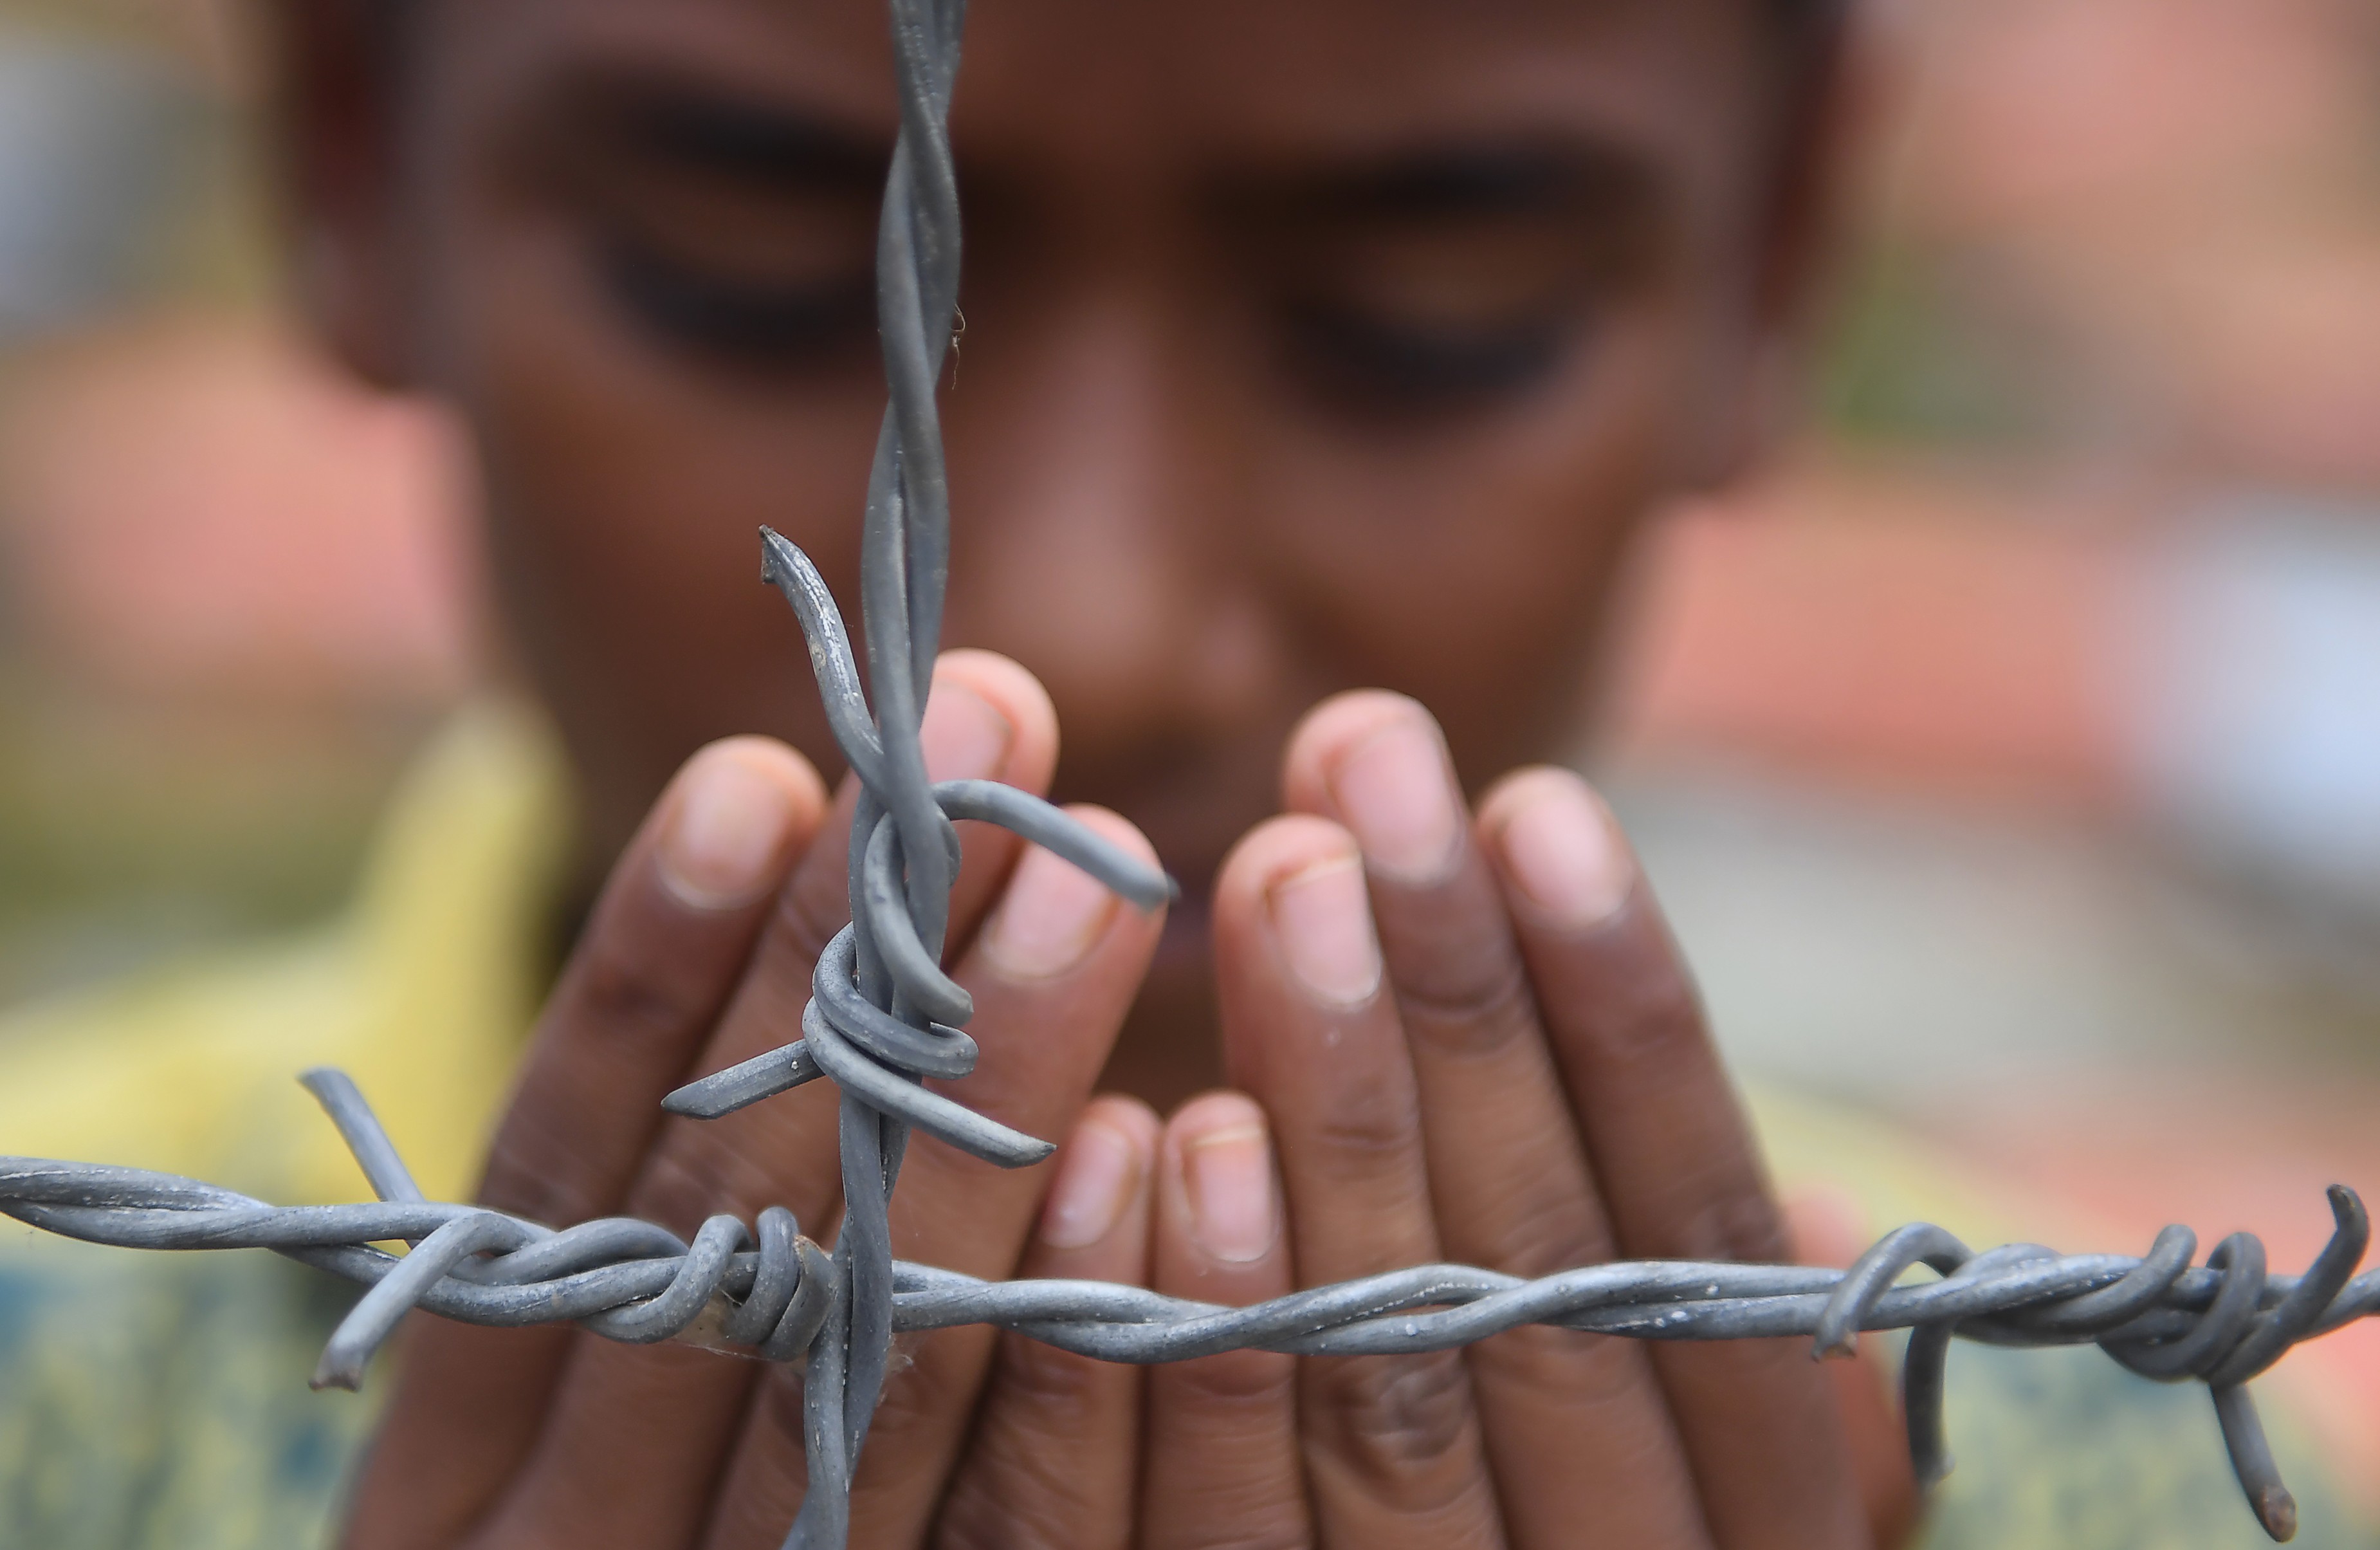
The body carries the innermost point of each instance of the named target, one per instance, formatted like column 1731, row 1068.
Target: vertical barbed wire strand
column 883, row 1014
column 905, row 564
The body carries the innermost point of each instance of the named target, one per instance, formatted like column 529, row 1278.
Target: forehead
column 1129, row 83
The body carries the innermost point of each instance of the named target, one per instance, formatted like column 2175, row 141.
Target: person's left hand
column 1465, row 1039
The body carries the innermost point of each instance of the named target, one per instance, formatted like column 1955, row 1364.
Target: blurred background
column 2017, row 745
column 233, row 593
column 2010, row 753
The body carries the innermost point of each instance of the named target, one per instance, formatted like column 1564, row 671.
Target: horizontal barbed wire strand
column 767, row 1290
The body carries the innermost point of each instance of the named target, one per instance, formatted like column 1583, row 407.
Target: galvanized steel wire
column 883, row 1016
column 765, row 1289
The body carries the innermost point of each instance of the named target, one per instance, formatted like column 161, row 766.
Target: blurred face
column 1306, row 346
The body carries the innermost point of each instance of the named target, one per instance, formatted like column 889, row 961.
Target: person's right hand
column 1464, row 1033
column 698, row 956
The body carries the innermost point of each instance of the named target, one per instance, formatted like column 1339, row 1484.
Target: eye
column 737, row 319
column 740, row 236
column 1444, row 316
column 1446, row 278
column 1378, row 363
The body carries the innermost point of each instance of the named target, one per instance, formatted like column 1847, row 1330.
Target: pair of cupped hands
column 1452, row 1036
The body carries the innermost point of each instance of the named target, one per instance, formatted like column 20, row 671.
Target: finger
column 1053, row 971
column 1057, row 1438
column 1392, row 1444
column 1222, row 1463
column 636, row 1436
column 1671, row 1153
column 659, row 957
column 1576, row 1426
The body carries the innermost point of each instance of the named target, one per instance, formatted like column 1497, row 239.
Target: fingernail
column 1395, row 793
column 964, row 737
column 1047, row 922
column 1227, row 1175
column 1560, row 850
column 1097, row 1175
column 1325, row 925
column 720, row 847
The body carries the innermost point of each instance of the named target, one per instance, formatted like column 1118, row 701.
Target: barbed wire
column 883, row 1016
column 767, row 1290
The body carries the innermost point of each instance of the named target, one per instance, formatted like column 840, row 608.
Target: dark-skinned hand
column 1450, row 1036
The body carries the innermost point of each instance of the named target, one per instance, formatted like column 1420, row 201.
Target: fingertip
column 1103, row 1170
column 1535, row 783
column 1559, row 848
column 1278, row 849
column 1218, row 1159
column 1130, row 1116
column 1115, row 828
column 1222, row 1109
column 1378, row 764
column 1297, row 885
column 1325, row 736
column 1029, row 755
column 1053, row 914
column 734, row 820
column 784, row 761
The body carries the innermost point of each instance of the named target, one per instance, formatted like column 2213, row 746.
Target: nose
column 1096, row 539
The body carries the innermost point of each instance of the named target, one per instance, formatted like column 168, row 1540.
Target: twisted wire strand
column 766, row 1290
column 882, row 1015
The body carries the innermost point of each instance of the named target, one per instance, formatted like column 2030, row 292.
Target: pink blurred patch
column 1886, row 624
column 2048, row 110
column 206, row 507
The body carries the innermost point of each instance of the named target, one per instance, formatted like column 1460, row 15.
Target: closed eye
column 1446, row 278
column 1372, row 362
column 741, row 321
column 740, row 232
